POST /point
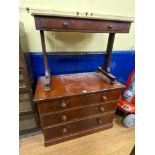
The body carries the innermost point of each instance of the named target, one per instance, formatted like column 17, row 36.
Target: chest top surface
column 74, row 84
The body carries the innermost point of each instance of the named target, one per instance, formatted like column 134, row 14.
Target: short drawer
column 53, row 106
column 25, row 103
column 53, row 119
column 27, row 122
column 23, row 81
column 77, row 24
column 75, row 127
column 103, row 97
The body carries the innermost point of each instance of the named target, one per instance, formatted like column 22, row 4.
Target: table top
column 74, row 84
column 94, row 16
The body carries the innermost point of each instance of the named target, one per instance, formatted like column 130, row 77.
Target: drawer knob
column 110, row 26
column 63, row 104
column 65, row 24
column 102, row 109
column 64, row 130
column 64, row 117
column 100, row 121
column 104, row 98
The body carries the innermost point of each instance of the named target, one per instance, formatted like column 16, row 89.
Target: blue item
column 121, row 65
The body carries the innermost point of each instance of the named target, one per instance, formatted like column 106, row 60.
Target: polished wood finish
column 74, row 84
column 75, row 114
column 77, row 127
column 102, row 97
column 63, row 24
column 47, row 71
column 76, row 24
column 111, row 38
column 44, row 51
column 59, row 105
column 74, row 53
column 78, row 104
column 111, row 77
column 74, row 105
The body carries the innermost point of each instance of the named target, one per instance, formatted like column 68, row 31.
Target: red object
column 124, row 105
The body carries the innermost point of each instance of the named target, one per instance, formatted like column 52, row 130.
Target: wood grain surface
column 74, row 84
column 70, row 24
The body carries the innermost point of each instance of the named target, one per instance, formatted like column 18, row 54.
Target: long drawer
column 78, row 126
column 77, row 24
column 62, row 117
column 77, row 101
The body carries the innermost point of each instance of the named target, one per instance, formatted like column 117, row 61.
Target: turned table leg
column 106, row 66
column 47, row 86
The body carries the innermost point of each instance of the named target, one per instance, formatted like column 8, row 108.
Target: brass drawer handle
column 104, row 98
column 64, row 118
column 65, row 24
column 64, row 130
column 63, row 104
column 100, row 121
column 110, row 26
column 102, row 109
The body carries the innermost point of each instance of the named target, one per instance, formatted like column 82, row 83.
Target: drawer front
column 62, row 117
column 25, row 103
column 63, row 24
column 103, row 97
column 23, row 81
column 59, row 105
column 27, row 122
column 71, row 128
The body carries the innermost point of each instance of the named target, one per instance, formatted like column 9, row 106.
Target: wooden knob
column 64, row 117
column 63, row 104
column 109, row 26
column 64, row 130
column 65, row 24
column 102, row 109
column 104, row 98
column 100, row 121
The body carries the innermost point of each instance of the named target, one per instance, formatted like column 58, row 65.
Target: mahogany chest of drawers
column 74, row 105
column 79, row 104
